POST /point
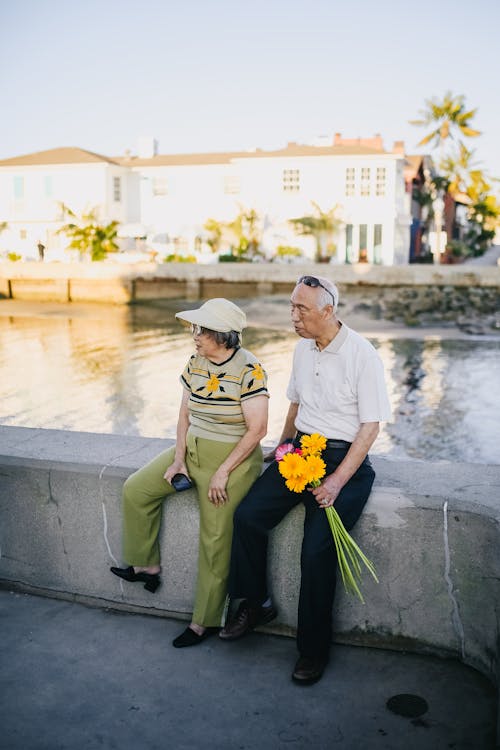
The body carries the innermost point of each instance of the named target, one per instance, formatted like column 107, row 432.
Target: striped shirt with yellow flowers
column 217, row 391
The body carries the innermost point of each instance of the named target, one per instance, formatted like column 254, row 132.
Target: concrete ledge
column 431, row 529
column 122, row 283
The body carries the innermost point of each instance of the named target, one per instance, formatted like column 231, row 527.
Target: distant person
column 41, row 251
column 222, row 419
column 336, row 389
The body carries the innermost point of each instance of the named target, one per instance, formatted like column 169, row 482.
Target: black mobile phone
column 180, row 482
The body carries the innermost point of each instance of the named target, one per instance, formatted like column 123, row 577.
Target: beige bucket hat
column 217, row 314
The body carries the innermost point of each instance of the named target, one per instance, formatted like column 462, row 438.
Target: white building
column 176, row 194
column 33, row 187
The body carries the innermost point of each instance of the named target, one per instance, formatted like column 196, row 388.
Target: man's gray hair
column 328, row 292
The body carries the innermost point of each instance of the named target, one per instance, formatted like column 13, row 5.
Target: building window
column 117, row 189
column 380, row 183
column 291, row 180
column 350, row 181
column 365, row 181
column 348, row 243
column 363, row 243
column 160, row 186
column 377, row 243
column 18, row 187
column 48, row 186
column 231, row 185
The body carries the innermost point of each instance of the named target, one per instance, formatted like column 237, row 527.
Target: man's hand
column 328, row 491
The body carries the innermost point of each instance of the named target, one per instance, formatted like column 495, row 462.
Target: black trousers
column 262, row 509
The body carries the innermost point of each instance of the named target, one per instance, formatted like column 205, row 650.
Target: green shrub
column 284, row 251
column 175, row 258
column 14, row 256
column 458, row 249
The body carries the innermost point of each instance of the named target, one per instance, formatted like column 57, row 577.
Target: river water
column 116, row 370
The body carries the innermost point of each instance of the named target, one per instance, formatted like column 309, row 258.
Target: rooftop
column 64, row 155
column 72, row 155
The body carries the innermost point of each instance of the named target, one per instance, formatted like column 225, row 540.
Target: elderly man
column 336, row 389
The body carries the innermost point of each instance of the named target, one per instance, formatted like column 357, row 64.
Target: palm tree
column 450, row 118
column 458, row 169
column 215, row 230
column 322, row 225
column 88, row 236
column 451, row 121
column 247, row 231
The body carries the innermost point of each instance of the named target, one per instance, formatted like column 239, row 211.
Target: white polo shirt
column 339, row 387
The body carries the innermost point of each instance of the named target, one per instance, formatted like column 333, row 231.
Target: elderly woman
column 222, row 419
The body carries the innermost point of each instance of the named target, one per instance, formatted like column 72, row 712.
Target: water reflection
column 106, row 369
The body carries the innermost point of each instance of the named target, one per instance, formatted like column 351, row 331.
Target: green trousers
column 143, row 496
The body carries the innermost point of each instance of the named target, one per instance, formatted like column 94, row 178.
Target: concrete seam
column 53, row 501
column 456, row 620
column 105, row 522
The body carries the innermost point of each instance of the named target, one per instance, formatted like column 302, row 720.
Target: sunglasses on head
column 313, row 282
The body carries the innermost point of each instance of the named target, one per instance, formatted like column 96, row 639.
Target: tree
column 484, row 213
column 88, row 236
column 216, row 230
column 457, row 169
column 457, row 174
column 450, row 118
column 243, row 234
column 322, row 225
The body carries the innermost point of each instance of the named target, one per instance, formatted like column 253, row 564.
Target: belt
column 329, row 443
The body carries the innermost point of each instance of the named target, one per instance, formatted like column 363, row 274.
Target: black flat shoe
column 190, row 638
column 151, row 581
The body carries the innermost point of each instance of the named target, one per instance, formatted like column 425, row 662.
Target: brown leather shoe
column 309, row 670
column 246, row 619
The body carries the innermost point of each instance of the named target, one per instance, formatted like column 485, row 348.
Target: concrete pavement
column 78, row 678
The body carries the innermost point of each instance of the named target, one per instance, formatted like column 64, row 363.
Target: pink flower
column 282, row 450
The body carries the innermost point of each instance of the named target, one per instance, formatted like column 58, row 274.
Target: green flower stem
column 349, row 555
column 355, row 552
column 350, row 541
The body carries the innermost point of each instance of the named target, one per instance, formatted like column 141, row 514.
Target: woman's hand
column 217, row 488
column 178, row 467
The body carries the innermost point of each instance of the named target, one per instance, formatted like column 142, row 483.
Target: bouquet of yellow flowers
column 303, row 467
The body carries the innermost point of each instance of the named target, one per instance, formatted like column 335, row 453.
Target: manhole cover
column 407, row 705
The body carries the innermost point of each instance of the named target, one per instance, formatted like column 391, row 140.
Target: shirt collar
column 336, row 343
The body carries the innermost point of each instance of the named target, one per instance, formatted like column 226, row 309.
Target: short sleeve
column 373, row 401
column 254, row 381
column 185, row 378
column 292, row 393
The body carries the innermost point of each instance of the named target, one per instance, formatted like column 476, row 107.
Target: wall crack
column 455, row 618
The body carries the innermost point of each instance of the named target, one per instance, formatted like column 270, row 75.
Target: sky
column 214, row 75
